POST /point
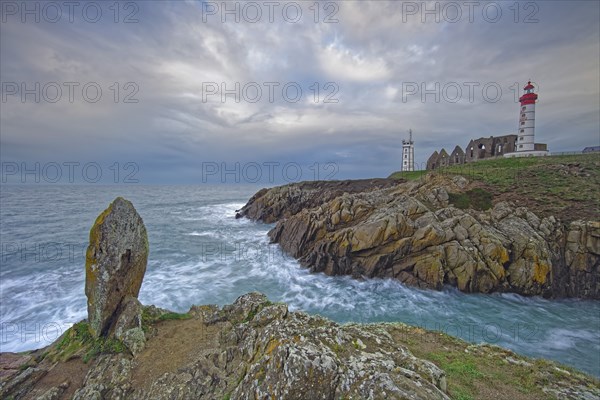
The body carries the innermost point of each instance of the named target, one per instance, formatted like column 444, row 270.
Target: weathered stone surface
column 134, row 339
column 19, row 384
column 54, row 393
column 264, row 351
column 256, row 349
column 129, row 317
column 411, row 233
column 10, row 364
column 109, row 378
column 582, row 258
column 116, row 261
column 285, row 201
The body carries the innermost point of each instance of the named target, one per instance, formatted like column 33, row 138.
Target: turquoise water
column 200, row 254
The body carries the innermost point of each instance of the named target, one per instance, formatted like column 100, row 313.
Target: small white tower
column 408, row 153
column 526, row 141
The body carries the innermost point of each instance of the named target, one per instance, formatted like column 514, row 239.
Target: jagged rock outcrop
column 284, row 201
column 412, row 233
column 256, row 349
column 116, row 261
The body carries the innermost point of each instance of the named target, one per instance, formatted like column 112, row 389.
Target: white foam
column 38, row 308
column 204, row 234
column 181, row 273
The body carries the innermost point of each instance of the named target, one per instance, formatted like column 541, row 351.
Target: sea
column 201, row 254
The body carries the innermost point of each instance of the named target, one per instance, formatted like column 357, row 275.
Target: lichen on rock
column 116, row 261
column 411, row 232
column 257, row 349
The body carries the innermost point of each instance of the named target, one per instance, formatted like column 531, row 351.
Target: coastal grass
column 408, row 175
column 170, row 316
column 477, row 198
column 566, row 186
column 78, row 341
column 461, row 370
column 485, row 372
column 150, row 318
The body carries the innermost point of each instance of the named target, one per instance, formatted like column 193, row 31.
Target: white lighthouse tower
column 408, row 153
column 526, row 140
column 526, row 146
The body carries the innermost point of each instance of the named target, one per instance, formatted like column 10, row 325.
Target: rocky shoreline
column 258, row 349
column 254, row 348
column 411, row 231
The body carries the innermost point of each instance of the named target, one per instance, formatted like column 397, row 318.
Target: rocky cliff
column 411, row 231
column 251, row 349
column 284, row 201
column 256, row 349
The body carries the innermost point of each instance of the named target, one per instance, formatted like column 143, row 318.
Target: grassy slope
column 564, row 186
column 489, row 372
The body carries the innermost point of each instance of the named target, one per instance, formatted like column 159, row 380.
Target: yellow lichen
column 540, row 271
column 273, row 344
column 503, row 255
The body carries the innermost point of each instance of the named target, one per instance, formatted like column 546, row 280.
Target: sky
column 189, row 92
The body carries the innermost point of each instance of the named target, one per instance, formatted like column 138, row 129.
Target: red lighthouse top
column 529, row 97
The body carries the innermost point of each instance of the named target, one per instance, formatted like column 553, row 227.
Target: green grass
column 23, row 367
column 170, row 316
column 507, row 171
column 79, row 341
column 148, row 319
column 461, row 395
column 465, row 369
column 337, row 348
column 564, row 186
column 461, row 372
column 478, row 199
column 479, row 373
column 103, row 346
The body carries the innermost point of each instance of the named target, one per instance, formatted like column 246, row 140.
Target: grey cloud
column 370, row 53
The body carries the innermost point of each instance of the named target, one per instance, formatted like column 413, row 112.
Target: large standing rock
column 115, row 264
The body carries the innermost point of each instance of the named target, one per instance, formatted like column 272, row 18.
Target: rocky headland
column 254, row 348
column 415, row 232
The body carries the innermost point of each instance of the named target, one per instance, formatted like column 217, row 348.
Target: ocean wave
column 201, row 254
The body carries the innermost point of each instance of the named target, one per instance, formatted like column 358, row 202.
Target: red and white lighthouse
column 526, row 141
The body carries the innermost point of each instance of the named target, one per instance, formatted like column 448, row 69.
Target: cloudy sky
column 161, row 67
